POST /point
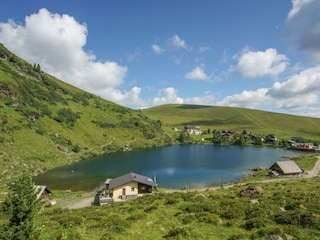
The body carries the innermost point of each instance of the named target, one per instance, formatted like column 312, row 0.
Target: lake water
column 174, row 166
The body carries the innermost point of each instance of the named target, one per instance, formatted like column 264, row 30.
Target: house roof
column 129, row 177
column 288, row 167
column 39, row 189
column 192, row 127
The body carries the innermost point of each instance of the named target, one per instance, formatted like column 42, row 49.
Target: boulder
column 251, row 191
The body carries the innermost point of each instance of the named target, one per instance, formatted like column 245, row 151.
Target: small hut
column 43, row 192
column 285, row 168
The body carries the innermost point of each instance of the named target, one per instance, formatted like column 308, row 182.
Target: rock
column 251, row 191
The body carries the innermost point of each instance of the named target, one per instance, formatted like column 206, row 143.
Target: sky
column 257, row 54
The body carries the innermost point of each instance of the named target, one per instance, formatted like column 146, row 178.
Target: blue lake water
column 174, row 166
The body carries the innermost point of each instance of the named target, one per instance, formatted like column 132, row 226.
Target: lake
column 175, row 166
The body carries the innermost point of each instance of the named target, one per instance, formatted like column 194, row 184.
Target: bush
column 137, row 216
column 67, row 115
column 171, row 201
column 207, row 217
column 68, row 233
column 255, row 223
column 270, row 231
column 299, row 218
column 237, row 236
column 178, row 232
column 76, row 148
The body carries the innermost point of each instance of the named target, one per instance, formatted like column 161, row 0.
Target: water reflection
column 175, row 166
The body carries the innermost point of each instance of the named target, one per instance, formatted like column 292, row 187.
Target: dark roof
column 129, row 177
column 288, row 167
column 39, row 189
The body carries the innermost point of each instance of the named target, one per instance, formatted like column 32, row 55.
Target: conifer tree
column 21, row 205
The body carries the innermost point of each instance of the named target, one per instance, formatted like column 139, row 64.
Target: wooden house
column 129, row 185
column 285, row 168
column 42, row 192
column 193, row 129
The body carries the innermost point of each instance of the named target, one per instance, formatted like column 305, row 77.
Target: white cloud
column 300, row 94
column 197, row 74
column 56, row 42
column 246, row 99
column 167, row 95
column 179, row 43
column 298, row 6
column 255, row 64
column 299, row 91
column 206, row 99
column 303, row 27
column 170, row 95
column 157, row 49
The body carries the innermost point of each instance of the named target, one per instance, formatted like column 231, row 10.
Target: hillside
column 259, row 122
column 47, row 123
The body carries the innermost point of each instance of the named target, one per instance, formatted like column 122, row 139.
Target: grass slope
column 45, row 122
column 239, row 119
column 287, row 209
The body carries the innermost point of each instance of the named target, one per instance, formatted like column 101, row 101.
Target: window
column 132, row 189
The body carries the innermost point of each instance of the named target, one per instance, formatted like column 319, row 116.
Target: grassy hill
column 45, row 122
column 259, row 122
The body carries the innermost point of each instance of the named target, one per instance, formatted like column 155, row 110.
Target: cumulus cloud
column 207, row 99
column 179, row 43
column 170, row 95
column 246, row 99
column 167, row 95
column 298, row 94
column 303, row 27
column 258, row 63
column 157, row 49
column 56, row 42
column 197, row 74
column 299, row 91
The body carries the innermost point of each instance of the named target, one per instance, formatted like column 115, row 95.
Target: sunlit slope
column 239, row 119
column 45, row 122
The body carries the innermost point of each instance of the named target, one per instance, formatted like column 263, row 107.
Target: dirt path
column 81, row 203
column 315, row 171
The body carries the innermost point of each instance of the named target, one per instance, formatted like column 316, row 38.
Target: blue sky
column 259, row 54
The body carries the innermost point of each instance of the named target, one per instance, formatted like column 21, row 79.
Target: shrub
column 207, row 217
column 171, row 201
column 300, row 218
column 257, row 211
column 237, row 236
column 255, row 223
column 178, row 232
column 150, row 208
column 269, row 231
column 67, row 115
column 76, row 148
column 68, row 233
column 137, row 216
column 187, row 218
